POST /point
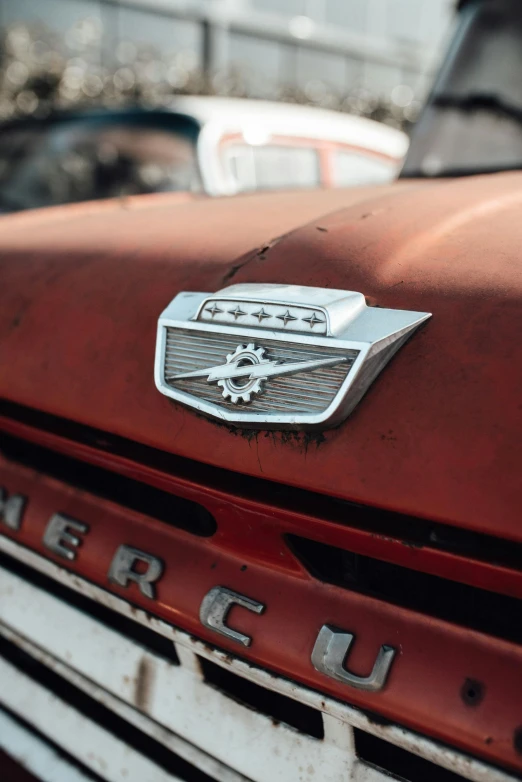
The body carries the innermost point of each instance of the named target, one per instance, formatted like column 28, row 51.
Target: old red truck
column 260, row 484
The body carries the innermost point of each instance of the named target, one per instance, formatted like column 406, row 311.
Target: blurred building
column 321, row 49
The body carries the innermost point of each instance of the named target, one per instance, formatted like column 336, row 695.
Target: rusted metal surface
column 249, row 556
column 439, row 434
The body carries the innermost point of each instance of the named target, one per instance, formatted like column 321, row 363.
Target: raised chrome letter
column 215, row 607
column 57, row 535
column 11, row 509
column 123, row 569
column 330, row 651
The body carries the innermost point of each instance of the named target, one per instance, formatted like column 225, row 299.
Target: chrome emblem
column 276, row 356
column 246, row 369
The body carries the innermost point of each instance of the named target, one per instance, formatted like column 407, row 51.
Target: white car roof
column 256, row 117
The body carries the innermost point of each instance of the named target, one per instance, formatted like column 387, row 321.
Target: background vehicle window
column 80, row 160
column 272, row 166
column 352, row 168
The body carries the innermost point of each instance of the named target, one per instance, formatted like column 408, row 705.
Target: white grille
column 305, row 392
column 177, row 708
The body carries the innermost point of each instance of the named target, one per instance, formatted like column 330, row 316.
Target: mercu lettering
column 131, row 568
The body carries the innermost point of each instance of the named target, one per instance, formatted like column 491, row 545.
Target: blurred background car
column 218, row 146
column 104, row 99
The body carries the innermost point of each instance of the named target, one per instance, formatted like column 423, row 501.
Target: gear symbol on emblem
column 241, row 389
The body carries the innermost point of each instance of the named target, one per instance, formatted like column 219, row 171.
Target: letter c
column 215, row 607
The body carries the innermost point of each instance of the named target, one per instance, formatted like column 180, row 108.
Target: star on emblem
column 261, row 315
column 237, row 313
column 286, row 317
column 312, row 320
column 213, row 310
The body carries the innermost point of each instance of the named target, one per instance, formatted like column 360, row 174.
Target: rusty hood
column 439, row 433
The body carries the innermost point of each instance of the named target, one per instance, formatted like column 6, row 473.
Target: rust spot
column 232, row 272
column 472, row 692
column 261, row 253
column 411, row 544
column 143, row 686
column 376, row 719
column 322, row 228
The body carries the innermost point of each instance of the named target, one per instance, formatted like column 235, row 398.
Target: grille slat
column 323, row 381
column 136, row 676
column 126, row 492
column 480, row 609
column 322, row 390
column 30, row 756
column 95, row 747
column 303, row 392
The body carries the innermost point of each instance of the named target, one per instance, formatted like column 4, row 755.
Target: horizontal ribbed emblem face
column 275, row 356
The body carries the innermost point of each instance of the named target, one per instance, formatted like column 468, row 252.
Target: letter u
column 330, row 651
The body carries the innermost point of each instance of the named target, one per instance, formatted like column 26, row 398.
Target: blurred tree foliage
column 41, row 72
